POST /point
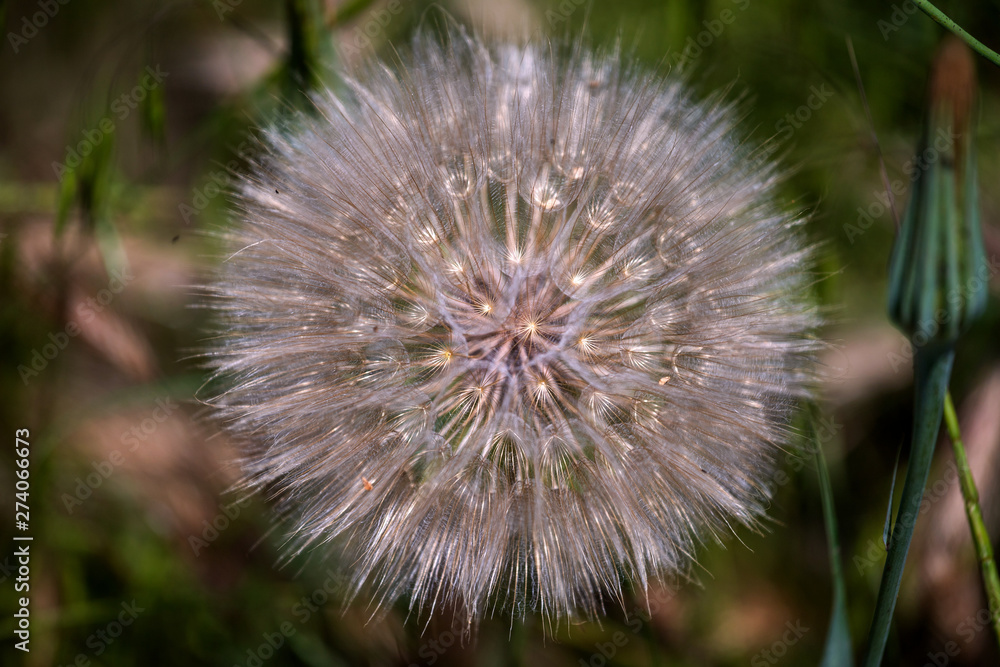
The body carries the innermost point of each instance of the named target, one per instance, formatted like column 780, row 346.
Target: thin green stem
column 981, row 538
column 837, row 652
column 932, row 366
column 941, row 18
column 829, row 516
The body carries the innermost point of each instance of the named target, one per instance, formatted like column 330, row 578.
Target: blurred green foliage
column 236, row 64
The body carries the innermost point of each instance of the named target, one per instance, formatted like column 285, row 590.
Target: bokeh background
column 141, row 557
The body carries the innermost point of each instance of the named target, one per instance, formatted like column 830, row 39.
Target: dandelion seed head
column 519, row 330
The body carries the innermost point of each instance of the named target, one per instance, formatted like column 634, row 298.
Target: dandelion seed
column 550, row 299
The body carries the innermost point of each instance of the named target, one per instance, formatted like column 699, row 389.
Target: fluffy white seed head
column 513, row 327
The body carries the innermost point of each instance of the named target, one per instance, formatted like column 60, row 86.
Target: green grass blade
column 980, row 536
column 887, row 528
column 933, row 368
column 838, row 652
